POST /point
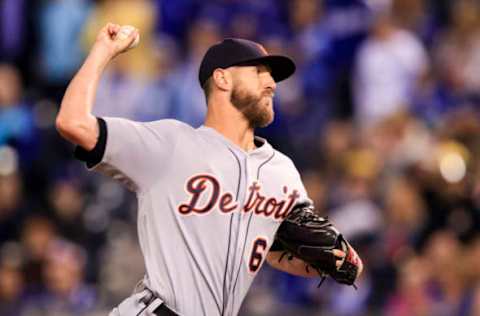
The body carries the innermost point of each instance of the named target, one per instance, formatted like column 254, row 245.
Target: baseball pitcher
column 214, row 202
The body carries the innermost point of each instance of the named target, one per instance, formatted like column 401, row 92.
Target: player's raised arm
column 75, row 121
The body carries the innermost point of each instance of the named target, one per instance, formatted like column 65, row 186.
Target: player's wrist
column 99, row 57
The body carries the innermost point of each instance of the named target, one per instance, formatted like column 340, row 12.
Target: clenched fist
column 114, row 39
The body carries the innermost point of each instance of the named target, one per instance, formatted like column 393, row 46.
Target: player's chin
column 271, row 110
column 268, row 117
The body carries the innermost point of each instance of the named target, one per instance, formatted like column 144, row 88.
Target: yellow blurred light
column 452, row 167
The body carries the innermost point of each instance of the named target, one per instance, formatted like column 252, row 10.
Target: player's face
column 252, row 94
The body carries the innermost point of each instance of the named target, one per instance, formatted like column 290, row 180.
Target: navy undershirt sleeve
column 94, row 156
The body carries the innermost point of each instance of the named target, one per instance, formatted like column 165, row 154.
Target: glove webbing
column 322, row 274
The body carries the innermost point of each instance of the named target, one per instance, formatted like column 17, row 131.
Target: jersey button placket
column 247, row 178
column 242, row 227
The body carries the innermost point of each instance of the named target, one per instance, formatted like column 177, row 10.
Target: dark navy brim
column 281, row 67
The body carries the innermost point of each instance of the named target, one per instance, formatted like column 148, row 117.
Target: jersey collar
column 263, row 147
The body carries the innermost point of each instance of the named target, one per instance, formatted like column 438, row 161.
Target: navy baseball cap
column 241, row 52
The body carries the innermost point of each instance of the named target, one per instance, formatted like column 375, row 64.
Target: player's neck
column 231, row 124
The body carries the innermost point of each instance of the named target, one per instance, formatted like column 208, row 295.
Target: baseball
column 125, row 31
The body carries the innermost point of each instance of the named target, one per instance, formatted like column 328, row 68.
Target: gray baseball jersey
column 207, row 210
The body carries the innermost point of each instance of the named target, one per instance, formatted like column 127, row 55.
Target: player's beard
column 254, row 108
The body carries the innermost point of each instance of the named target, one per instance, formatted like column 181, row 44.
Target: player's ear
column 222, row 79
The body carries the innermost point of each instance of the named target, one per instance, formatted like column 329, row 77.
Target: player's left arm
column 309, row 245
column 293, row 265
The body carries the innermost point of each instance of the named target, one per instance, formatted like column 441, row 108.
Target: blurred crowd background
column 381, row 117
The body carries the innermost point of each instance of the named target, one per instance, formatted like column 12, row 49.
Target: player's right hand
column 108, row 42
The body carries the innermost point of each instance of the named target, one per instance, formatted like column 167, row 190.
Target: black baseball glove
column 312, row 238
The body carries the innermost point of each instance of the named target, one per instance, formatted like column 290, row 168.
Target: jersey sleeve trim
column 94, row 156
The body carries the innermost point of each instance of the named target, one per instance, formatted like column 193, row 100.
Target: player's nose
column 270, row 83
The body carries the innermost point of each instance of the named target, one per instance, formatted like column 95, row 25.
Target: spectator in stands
column 60, row 53
column 11, row 279
column 37, row 233
column 411, row 297
column 457, row 55
column 157, row 98
column 65, row 291
column 389, row 66
column 189, row 102
column 16, row 119
column 13, row 205
column 449, row 292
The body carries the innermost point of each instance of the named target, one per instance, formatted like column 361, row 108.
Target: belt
column 149, row 300
column 163, row 310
